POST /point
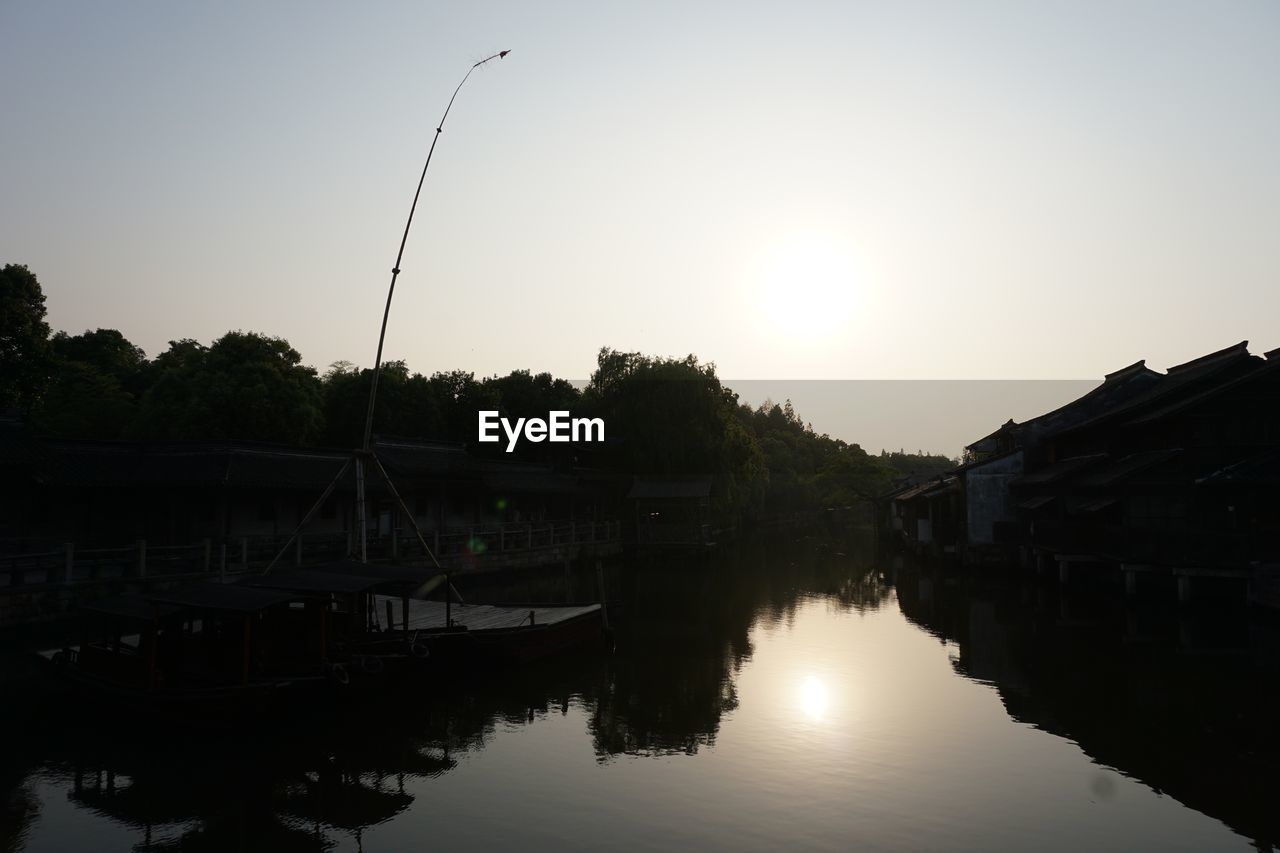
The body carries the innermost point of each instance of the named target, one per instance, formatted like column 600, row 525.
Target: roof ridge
column 1240, row 349
column 1124, row 372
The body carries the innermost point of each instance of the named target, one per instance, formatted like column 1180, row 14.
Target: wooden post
column 248, row 638
column 69, row 567
column 1064, row 571
column 1130, row 582
column 1184, row 588
column 448, row 601
column 324, row 635
column 604, row 601
column 142, row 558
column 362, row 510
column 390, row 615
column 152, row 637
column 404, row 614
column 208, row 554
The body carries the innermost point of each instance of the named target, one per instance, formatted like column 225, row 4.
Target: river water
column 794, row 692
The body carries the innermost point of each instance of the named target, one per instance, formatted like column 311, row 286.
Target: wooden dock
column 426, row 615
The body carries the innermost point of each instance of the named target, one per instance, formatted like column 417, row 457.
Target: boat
column 209, row 651
column 457, row 635
column 363, row 649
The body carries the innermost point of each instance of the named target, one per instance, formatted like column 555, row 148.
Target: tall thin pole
column 395, row 270
column 386, row 312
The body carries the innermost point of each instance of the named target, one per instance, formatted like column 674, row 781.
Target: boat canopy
column 232, row 598
column 314, row 582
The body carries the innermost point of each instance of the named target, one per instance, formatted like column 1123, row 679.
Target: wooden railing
column 70, row 564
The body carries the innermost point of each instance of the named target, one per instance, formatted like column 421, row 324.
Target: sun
column 807, row 290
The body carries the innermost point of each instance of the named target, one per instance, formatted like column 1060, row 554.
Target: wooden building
column 174, row 493
column 926, row 516
column 672, row 511
column 1181, row 475
column 1174, row 469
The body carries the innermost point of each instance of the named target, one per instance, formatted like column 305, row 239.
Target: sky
column 800, row 190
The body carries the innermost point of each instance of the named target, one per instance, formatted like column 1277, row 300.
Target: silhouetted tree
column 106, row 350
column 406, row 404
column 918, row 464
column 24, row 339
column 245, row 386
column 84, row 402
column 673, row 417
column 460, row 396
column 97, row 378
column 809, row 471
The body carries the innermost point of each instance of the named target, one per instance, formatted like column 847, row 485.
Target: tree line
column 664, row 416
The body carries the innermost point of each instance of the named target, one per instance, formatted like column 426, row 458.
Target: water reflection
column 689, row 629
column 779, row 687
column 813, row 698
column 1181, row 699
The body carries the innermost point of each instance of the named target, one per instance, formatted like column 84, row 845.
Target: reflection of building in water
column 989, row 654
column 185, row 812
column 321, row 781
column 262, row 790
column 1196, row 723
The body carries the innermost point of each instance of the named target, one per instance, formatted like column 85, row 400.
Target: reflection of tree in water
column 242, row 792
column 1133, row 687
column 19, row 806
column 307, row 784
column 687, row 634
column 17, row 811
column 282, row 786
column 295, row 786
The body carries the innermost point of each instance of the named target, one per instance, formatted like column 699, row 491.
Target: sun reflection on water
column 813, row 698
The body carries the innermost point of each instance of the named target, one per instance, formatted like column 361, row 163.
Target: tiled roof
column 1059, row 470
column 670, row 487
column 1263, row 470
column 1112, row 472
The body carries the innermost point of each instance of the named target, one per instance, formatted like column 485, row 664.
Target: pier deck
column 424, row 615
